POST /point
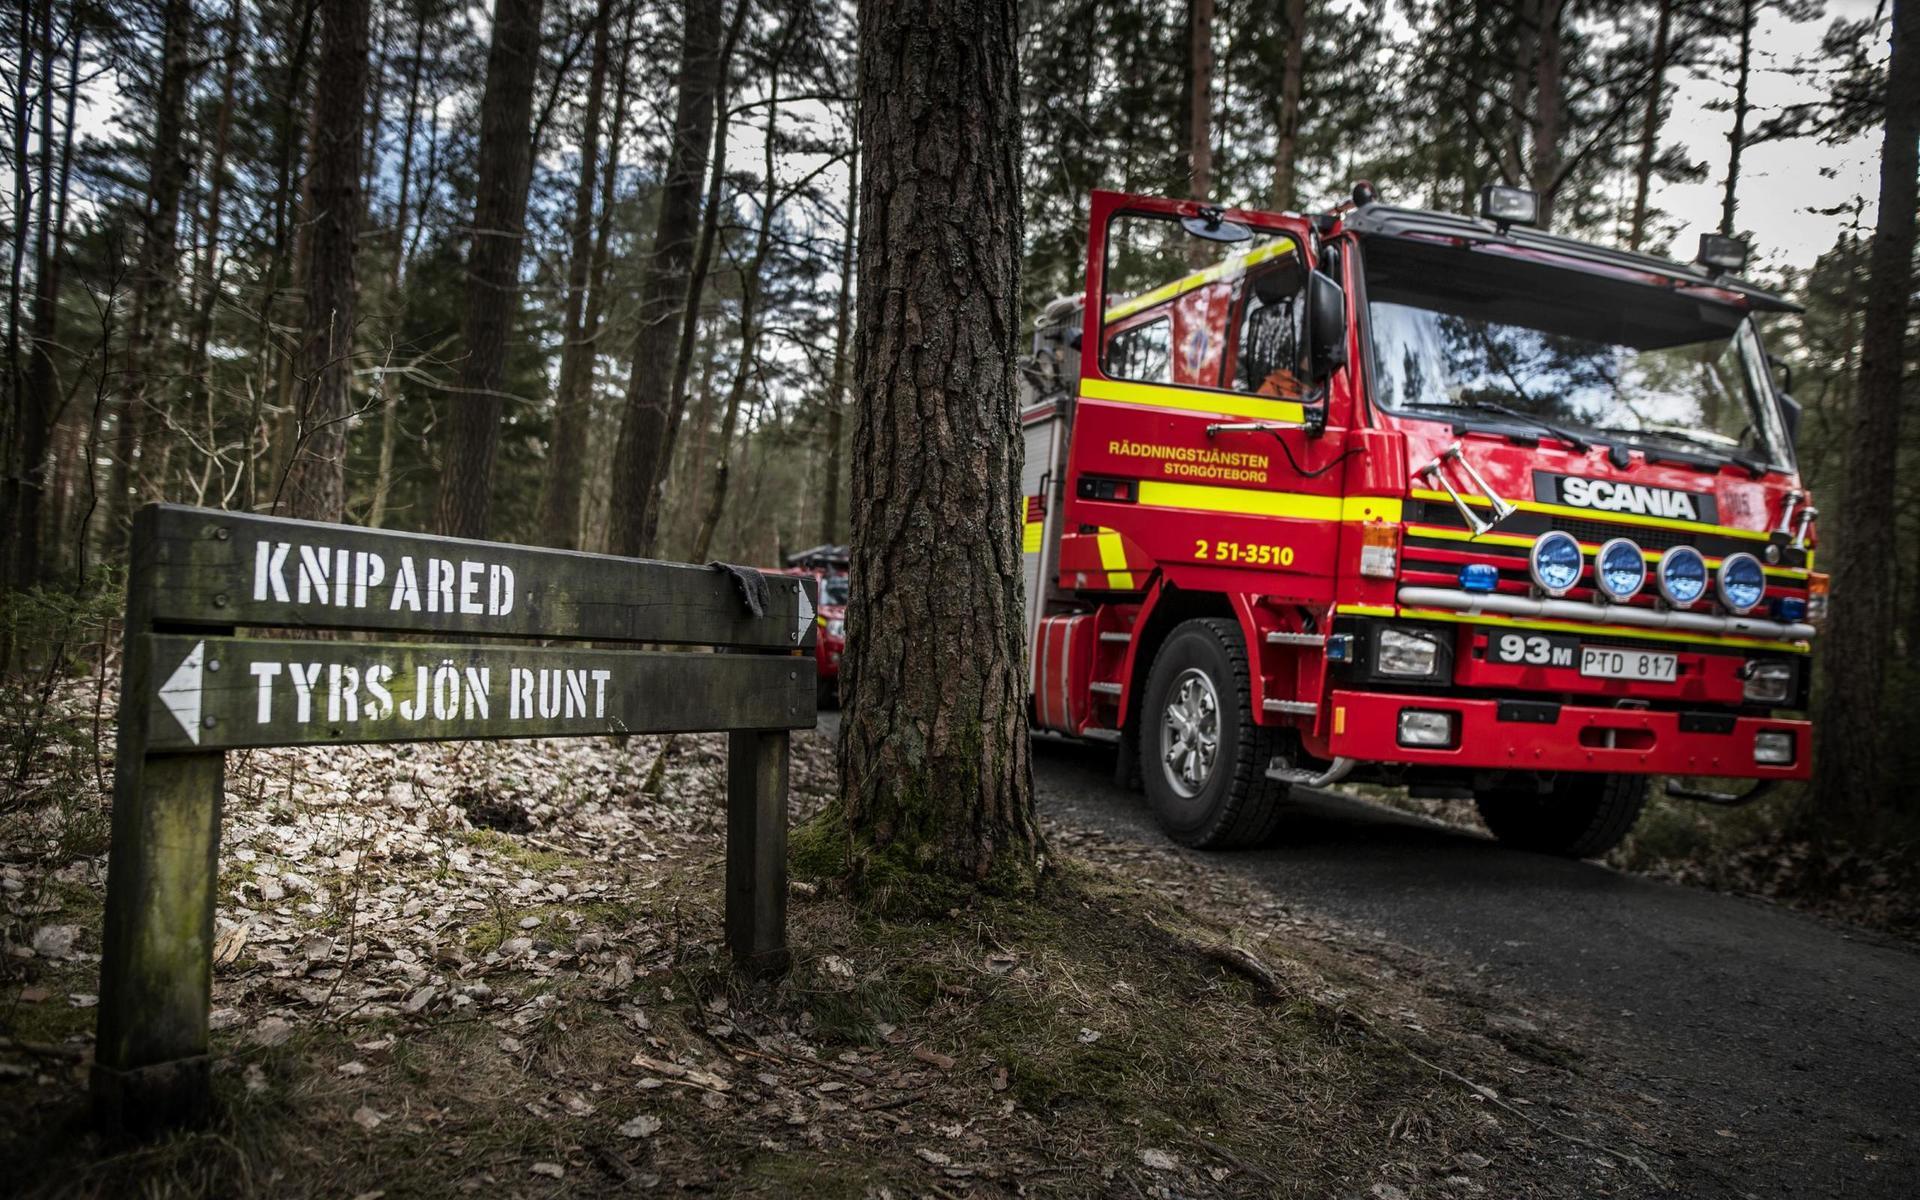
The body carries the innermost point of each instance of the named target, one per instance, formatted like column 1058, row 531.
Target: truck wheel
column 1581, row 816
column 1202, row 758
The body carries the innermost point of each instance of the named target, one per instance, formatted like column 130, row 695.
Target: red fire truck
column 828, row 564
column 1420, row 499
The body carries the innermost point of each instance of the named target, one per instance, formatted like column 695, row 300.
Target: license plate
column 1612, row 662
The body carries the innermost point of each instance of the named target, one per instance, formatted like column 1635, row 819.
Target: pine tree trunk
column 154, row 281
column 637, row 463
column 1853, row 785
column 493, row 268
column 1548, row 108
column 561, row 490
column 1650, row 122
column 43, row 509
column 1287, row 144
column 289, row 152
column 842, row 360
column 1737, row 136
column 1200, row 99
column 750, row 286
column 207, row 276
column 31, row 369
column 936, row 777
column 317, row 478
column 396, row 276
column 697, row 273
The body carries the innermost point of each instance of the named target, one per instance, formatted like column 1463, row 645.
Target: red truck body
column 1210, row 447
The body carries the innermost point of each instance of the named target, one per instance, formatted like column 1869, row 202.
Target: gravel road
column 1785, row 1051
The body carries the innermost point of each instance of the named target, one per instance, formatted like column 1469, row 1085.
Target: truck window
column 1193, row 312
column 1143, row 353
column 1272, row 341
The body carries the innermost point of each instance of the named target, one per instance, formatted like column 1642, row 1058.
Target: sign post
column 191, row 690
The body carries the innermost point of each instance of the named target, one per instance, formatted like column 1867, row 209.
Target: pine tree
column 935, row 774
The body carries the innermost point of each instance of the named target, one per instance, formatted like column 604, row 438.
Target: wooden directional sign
column 210, row 568
column 229, row 693
column 191, row 690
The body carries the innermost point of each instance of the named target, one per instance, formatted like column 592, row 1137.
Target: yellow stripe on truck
column 1030, row 536
column 1199, row 279
column 1594, row 514
column 1226, row 404
column 1254, row 502
column 1113, row 559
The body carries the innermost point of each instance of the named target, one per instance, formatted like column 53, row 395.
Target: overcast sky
column 1780, row 182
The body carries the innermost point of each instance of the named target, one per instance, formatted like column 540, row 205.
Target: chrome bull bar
column 1457, row 600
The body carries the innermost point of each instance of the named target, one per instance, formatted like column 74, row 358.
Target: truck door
column 1201, row 444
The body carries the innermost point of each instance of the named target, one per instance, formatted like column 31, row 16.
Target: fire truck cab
column 1414, row 498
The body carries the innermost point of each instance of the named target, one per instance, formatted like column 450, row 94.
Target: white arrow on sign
column 181, row 692
column 806, row 612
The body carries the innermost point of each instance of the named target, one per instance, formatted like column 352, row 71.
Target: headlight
column 1682, row 576
column 1407, row 653
column 1555, row 562
column 1773, row 747
column 1620, row 570
column 1768, row 681
column 1742, row 582
column 1420, row 727
column 837, row 627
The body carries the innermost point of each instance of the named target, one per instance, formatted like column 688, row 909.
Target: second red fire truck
column 1415, row 498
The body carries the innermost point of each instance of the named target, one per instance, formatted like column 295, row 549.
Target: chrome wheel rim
column 1190, row 733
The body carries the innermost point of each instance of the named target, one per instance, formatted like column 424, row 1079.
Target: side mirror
column 1327, row 323
column 1790, row 412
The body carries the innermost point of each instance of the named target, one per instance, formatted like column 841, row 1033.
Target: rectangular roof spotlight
column 1509, row 205
column 1724, row 254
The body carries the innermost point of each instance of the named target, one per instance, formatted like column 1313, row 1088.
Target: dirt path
column 1784, row 1052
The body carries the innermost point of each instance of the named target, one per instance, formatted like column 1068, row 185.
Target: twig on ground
column 1249, row 965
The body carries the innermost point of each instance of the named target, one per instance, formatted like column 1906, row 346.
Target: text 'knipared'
column 288, row 573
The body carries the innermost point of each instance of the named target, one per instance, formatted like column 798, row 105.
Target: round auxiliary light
column 1620, row 570
column 1742, row 582
column 1555, row 562
column 1682, row 576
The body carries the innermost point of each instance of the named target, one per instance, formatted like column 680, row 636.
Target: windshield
column 834, row 589
column 1616, row 359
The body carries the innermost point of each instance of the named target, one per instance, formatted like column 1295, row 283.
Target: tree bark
column 396, row 276
column 37, row 515
column 23, row 499
column 154, row 282
column 1200, row 100
column 842, row 337
column 1548, row 108
column 702, row 260
column 637, row 463
column 1650, row 122
column 1737, row 136
column 561, row 490
column 936, row 777
column 1286, row 152
column 748, row 364
column 317, row 476
column 493, row 268
column 1853, row 784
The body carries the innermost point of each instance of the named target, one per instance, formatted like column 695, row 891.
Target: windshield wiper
column 1755, row 467
column 1566, row 435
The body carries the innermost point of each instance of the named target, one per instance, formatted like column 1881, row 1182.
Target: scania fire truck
column 1422, row 499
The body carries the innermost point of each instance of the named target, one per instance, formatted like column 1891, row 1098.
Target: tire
column 1581, row 816
column 826, row 693
column 1221, row 802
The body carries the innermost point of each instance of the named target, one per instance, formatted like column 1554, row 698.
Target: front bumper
column 1535, row 736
